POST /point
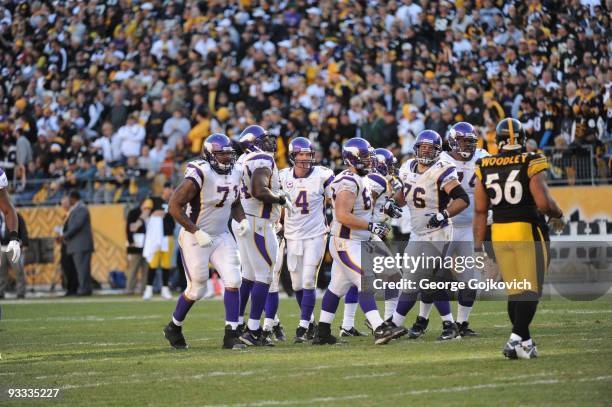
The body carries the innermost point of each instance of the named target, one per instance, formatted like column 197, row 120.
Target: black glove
column 392, row 209
column 379, row 229
column 437, row 219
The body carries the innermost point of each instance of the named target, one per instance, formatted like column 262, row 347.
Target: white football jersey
column 3, row 179
column 378, row 184
column 308, row 197
column 348, row 181
column 424, row 193
column 211, row 209
column 467, row 177
column 251, row 205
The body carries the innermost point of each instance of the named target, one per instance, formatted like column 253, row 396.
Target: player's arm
column 238, row 211
column 345, row 202
column 259, row 186
column 9, row 211
column 400, row 197
column 182, row 195
column 542, row 197
column 460, row 199
column 481, row 208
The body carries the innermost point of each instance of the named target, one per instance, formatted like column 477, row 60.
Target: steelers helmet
column 510, row 134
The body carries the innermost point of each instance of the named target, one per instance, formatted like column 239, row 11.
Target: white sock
column 398, row 319
column 304, row 324
column 312, row 317
column 390, row 306
column 374, row 318
column 326, row 317
column 463, row 313
column 210, row 286
column 276, row 320
column 253, row 324
column 448, row 317
column 177, row 323
column 268, row 324
column 425, row 309
column 349, row 315
column 528, row 342
column 234, row 325
column 240, row 320
column 515, row 337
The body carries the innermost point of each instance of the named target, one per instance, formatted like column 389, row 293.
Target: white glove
column 14, row 247
column 243, row 227
column 203, row 238
column 286, row 201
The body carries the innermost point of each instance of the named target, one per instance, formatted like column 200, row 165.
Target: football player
column 351, row 226
column 429, row 184
column 513, row 184
column 10, row 216
column 262, row 199
column 272, row 326
column 202, row 204
column 462, row 140
column 305, row 229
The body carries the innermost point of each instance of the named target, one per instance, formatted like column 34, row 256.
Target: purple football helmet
column 385, row 162
column 357, row 153
column 256, row 138
column 219, row 153
column 432, row 143
column 462, row 139
column 301, row 145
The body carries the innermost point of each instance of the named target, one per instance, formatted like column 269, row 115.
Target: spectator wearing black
column 5, row 259
column 70, row 278
column 136, row 229
column 78, row 236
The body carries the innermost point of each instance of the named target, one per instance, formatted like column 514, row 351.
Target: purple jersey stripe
column 199, row 171
column 260, row 242
column 348, row 262
column 266, row 211
column 445, row 174
column 328, row 181
column 195, row 208
column 184, row 264
column 345, row 232
column 379, row 180
column 195, row 181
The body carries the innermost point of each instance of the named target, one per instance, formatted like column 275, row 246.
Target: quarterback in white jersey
column 305, row 229
column 203, row 204
column 261, row 198
column 462, row 140
column 351, row 227
column 433, row 194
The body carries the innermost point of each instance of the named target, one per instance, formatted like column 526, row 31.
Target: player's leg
column 195, row 263
column 351, row 302
column 295, row 265
column 391, row 299
column 151, row 273
column 463, row 247
column 310, row 260
column 225, row 260
column 247, row 272
column 272, row 325
column 166, row 263
column 262, row 250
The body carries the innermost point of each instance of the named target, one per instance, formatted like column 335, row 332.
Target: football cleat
column 301, row 335
column 351, row 332
column 241, row 328
column 368, row 325
column 311, row 331
column 418, row 328
column 509, row 350
column 230, row 339
column 266, row 338
column 279, row 332
column 449, row 331
column 386, row 332
column 251, row 338
column 391, row 323
column 465, row 330
column 174, row 335
column 323, row 336
column 527, row 352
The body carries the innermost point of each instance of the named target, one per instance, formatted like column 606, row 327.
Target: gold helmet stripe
column 511, row 130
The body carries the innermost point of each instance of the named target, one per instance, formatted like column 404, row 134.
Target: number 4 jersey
column 308, row 197
column 466, row 171
column 424, row 192
column 506, row 177
column 211, row 208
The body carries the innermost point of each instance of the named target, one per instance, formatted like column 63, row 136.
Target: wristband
column 281, row 200
column 13, row 235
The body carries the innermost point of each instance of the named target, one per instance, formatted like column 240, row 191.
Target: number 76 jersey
column 308, row 197
column 211, row 208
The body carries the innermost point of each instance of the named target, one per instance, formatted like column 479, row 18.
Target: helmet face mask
column 266, row 143
column 303, row 160
column 427, row 147
column 256, row 138
column 510, row 135
column 462, row 139
column 385, row 162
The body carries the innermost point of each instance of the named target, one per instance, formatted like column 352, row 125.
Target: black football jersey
column 506, row 178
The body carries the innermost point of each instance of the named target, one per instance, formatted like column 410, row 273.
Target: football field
column 110, row 351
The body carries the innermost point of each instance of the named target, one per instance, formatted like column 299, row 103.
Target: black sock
column 511, row 310
column 165, row 277
column 151, row 276
column 523, row 315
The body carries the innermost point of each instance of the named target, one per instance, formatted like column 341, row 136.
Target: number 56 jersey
column 211, row 208
column 308, row 197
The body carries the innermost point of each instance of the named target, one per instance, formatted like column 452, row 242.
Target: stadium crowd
column 112, row 97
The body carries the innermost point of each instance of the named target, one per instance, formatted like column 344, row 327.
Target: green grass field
column 110, row 351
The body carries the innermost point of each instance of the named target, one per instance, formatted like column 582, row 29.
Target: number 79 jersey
column 466, row 171
column 308, row 197
column 211, row 208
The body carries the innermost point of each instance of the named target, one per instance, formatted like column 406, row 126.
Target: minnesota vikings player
column 202, row 204
column 429, row 183
column 262, row 199
column 272, row 325
column 351, row 226
column 305, row 229
column 381, row 181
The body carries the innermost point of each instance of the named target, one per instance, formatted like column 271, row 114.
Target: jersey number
column 367, row 200
column 417, row 196
column 472, row 182
column 245, row 191
column 225, row 191
column 302, row 202
column 513, row 190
